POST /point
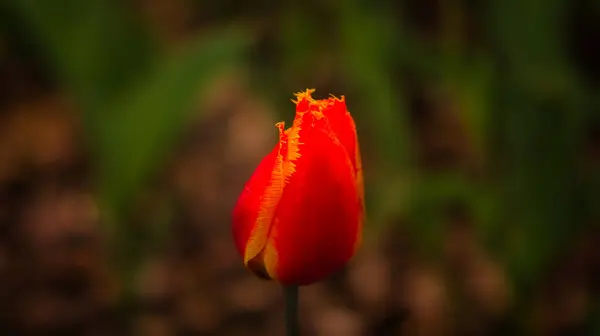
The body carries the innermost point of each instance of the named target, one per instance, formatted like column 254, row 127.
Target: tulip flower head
column 299, row 218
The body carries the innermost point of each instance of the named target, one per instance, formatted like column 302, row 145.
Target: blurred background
column 128, row 128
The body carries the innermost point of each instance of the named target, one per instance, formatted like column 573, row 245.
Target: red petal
column 248, row 204
column 340, row 120
column 254, row 210
column 342, row 124
column 316, row 225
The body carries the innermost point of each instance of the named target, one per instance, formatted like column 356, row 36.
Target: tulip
column 299, row 218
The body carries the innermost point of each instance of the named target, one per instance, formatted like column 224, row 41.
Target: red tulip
column 299, row 217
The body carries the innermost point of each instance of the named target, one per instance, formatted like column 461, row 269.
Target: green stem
column 291, row 311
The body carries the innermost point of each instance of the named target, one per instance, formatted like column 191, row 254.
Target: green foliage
column 145, row 124
column 366, row 47
column 98, row 47
column 135, row 100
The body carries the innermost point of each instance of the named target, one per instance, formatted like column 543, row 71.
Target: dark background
column 128, row 128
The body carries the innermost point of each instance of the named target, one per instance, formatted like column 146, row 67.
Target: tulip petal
column 340, row 121
column 247, row 205
column 342, row 124
column 253, row 213
column 316, row 223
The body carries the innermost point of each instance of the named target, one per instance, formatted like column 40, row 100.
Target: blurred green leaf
column 134, row 99
column 538, row 122
column 527, row 31
column 542, row 138
column 98, row 47
column 366, row 43
column 141, row 128
column 434, row 198
column 474, row 90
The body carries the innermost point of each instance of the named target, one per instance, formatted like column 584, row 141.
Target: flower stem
column 291, row 311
